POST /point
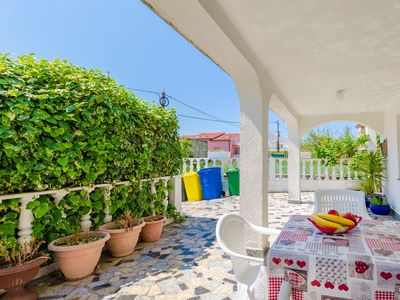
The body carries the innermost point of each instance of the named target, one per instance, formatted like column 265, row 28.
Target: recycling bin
column 233, row 181
column 191, row 181
column 211, row 183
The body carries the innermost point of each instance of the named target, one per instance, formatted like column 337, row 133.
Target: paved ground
column 185, row 264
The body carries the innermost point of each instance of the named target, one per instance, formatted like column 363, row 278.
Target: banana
column 340, row 220
column 324, row 223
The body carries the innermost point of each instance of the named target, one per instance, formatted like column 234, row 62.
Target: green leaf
column 40, row 210
column 70, row 108
column 40, row 114
column 12, row 93
column 7, row 228
column 63, row 161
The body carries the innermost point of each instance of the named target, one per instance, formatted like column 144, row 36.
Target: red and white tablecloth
column 363, row 264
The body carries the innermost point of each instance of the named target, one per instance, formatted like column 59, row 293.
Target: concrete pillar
column 254, row 159
column 175, row 195
column 294, row 162
column 371, row 144
column 392, row 134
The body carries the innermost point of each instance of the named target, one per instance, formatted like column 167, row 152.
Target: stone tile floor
column 185, row 264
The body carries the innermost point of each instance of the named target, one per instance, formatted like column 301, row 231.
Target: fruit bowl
column 342, row 229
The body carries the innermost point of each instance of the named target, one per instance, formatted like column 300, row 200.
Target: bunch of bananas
column 333, row 222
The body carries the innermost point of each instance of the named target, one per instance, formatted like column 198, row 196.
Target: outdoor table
column 362, row 264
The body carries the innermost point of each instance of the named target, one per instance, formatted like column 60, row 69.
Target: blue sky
column 130, row 42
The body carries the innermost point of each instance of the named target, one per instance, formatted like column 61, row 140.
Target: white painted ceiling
column 313, row 48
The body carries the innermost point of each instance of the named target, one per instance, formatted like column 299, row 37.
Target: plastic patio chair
column 230, row 234
column 342, row 201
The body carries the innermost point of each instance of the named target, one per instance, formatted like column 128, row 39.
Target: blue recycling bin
column 211, row 183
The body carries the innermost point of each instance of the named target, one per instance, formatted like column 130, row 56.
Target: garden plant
column 63, row 126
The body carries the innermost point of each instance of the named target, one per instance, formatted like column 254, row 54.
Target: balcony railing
column 310, row 169
column 26, row 216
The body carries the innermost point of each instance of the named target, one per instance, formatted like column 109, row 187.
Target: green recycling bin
column 233, row 182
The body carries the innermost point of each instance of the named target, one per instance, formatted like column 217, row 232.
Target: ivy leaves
column 63, row 125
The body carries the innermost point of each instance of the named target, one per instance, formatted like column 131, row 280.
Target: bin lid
column 205, row 170
column 189, row 174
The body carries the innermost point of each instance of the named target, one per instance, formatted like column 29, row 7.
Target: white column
column 294, row 162
column 392, row 134
column 25, row 221
column 175, row 195
column 371, row 144
column 254, row 158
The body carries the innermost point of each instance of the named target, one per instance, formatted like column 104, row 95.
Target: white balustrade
column 310, row 169
column 26, row 216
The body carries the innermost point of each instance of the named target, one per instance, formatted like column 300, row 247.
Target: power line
column 194, row 108
column 187, row 105
column 205, row 119
column 146, row 91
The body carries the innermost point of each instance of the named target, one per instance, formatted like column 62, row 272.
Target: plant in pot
column 154, row 220
column 379, row 205
column 124, row 234
column 18, row 266
column 371, row 167
column 79, row 253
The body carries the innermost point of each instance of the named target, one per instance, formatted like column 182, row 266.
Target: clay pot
column 79, row 261
column 151, row 232
column 14, row 278
column 122, row 242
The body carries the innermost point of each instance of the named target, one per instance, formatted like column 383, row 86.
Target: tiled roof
column 203, row 136
column 227, row 137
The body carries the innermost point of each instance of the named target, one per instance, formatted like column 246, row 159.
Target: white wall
column 219, row 154
column 391, row 133
column 281, row 186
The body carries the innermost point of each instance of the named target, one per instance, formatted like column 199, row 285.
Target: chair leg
column 242, row 292
column 285, row 292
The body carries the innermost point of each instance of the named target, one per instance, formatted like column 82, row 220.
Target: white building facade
column 311, row 62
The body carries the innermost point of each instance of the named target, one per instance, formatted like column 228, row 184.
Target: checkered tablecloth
column 360, row 265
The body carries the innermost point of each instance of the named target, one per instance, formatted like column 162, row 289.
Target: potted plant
column 18, row 267
column 371, row 167
column 379, row 205
column 124, row 234
column 151, row 232
column 79, row 253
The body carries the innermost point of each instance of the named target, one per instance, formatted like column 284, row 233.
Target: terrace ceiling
column 326, row 57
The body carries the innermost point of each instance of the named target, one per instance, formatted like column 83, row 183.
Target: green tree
column 324, row 144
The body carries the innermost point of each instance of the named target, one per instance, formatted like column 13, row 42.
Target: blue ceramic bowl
column 380, row 209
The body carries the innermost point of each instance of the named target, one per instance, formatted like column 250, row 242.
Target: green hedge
column 63, row 126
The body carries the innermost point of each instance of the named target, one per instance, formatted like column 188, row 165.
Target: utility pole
column 278, row 145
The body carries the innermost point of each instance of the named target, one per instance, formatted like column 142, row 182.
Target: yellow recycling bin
column 192, row 186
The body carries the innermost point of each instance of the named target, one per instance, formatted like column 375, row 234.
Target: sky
column 135, row 46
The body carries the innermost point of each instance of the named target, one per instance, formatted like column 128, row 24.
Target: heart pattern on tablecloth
column 343, row 287
column 386, row 275
column 276, row 260
column 295, row 279
column 301, row 263
column 329, row 285
column 315, row 282
column 288, row 261
column 361, row 267
column 398, row 276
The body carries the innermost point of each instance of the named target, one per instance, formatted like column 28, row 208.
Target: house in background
column 219, row 144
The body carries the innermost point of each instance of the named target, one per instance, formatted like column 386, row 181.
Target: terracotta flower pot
column 122, row 242
column 79, row 261
column 151, row 232
column 14, row 278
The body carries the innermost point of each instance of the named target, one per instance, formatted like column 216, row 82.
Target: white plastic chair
column 342, row 201
column 230, row 234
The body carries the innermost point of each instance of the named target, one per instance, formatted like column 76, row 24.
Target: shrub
column 62, row 125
